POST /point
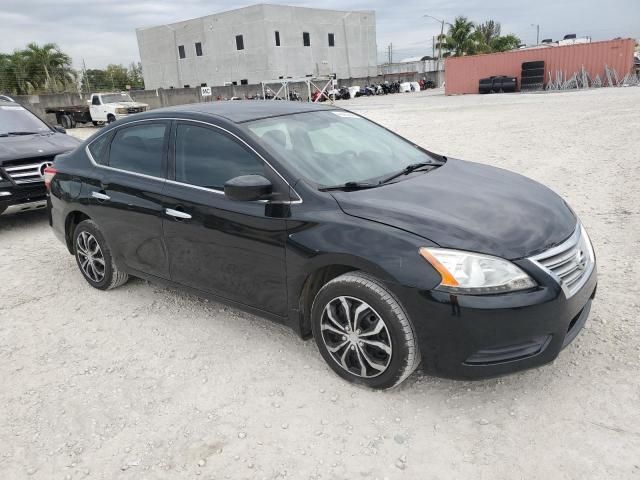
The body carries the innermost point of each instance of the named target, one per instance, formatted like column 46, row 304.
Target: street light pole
column 441, row 22
column 439, row 44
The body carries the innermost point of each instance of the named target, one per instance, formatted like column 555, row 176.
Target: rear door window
column 140, row 149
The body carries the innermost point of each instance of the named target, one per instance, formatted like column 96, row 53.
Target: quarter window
column 208, row 158
column 306, row 40
column 100, row 149
column 139, row 149
column 181, row 51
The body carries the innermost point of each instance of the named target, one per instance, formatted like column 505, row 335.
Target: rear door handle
column 100, row 196
column 177, row 214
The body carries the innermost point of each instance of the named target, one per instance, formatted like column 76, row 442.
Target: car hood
column 469, row 206
column 27, row 146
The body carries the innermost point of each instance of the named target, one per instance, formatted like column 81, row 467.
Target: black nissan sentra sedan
column 387, row 254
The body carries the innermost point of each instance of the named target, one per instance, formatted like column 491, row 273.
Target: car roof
column 239, row 111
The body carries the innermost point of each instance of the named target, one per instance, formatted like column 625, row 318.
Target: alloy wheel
column 356, row 337
column 90, row 257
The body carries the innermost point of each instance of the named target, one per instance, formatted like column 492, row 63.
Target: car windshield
column 17, row 119
column 336, row 147
column 116, row 98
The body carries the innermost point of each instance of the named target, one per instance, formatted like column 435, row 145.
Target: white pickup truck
column 103, row 108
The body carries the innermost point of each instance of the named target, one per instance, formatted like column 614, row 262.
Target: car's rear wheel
column 363, row 332
column 94, row 257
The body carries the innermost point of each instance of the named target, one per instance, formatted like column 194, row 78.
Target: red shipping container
column 463, row 74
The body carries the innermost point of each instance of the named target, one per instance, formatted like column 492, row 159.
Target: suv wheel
column 111, row 118
column 363, row 332
column 94, row 257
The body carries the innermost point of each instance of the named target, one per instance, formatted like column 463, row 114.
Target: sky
column 102, row 32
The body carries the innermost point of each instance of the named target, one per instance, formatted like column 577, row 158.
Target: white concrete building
column 256, row 43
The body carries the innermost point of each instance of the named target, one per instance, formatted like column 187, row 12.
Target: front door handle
column 100, row 196
column 177, row 214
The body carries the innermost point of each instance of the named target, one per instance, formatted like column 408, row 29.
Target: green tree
column 135, row 75
column 48, row 67
column 461, row 38
column 505, row 43
column 14, row 77
column 485, row 34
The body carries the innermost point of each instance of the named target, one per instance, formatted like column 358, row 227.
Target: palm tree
column 14, row 75
column 49, row 68
column 460, row 38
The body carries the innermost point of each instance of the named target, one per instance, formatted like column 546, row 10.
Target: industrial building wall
column 354, row 53
column 462, row 74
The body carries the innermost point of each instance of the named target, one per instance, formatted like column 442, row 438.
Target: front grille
column 569, row 263
column 135, row 109
column 27, row 171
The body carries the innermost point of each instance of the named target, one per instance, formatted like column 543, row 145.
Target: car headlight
column 121, row 110
column 475, row 274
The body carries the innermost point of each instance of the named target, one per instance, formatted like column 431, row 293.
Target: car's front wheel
column 94, row 257
column 363, row 332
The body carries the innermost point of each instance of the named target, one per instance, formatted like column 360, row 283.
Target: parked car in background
column 27, row 147
column 387, row 254
column 102, row 108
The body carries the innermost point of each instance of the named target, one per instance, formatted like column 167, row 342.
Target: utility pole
column 390, row 53
column 537, row 32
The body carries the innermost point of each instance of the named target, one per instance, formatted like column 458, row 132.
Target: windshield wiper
column 408, row 169
column 350, row 186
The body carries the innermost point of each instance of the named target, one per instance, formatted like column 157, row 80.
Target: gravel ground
column 145, row 382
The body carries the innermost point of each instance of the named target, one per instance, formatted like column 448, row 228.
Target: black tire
column 111, row 118
column 95, row 124
column 107, row 275
column 400, row 356
column 66, row 121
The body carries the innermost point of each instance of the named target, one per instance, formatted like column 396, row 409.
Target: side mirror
column 248, row 188
column 59, row 129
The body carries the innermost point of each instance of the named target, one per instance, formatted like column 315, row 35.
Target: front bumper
column 20, row 199
column 471, row 337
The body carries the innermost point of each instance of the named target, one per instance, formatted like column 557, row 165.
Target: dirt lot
column 149, row 383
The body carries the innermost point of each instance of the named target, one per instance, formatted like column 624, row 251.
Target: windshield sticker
column 7, row 107
column 345, row 114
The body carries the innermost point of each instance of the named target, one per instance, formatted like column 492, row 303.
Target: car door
column 97, row 110
column 232, row 249
column 126, row 193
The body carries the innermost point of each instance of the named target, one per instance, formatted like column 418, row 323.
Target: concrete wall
column 354, row 53
column 180, row 96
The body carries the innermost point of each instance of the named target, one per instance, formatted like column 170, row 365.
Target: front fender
column 385, row 252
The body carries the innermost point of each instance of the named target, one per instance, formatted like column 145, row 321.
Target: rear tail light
column 49, row 173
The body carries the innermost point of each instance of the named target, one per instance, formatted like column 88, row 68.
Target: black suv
column 27, row 147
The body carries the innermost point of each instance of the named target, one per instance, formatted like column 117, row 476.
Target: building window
column 199, row 49
column 332, row 40
column 187, row 86
column 239, row 42
column 244, row 82
column 203, row 84
column 305, row 39
column 181, row 51
column 277, row 39
column 234, row 83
